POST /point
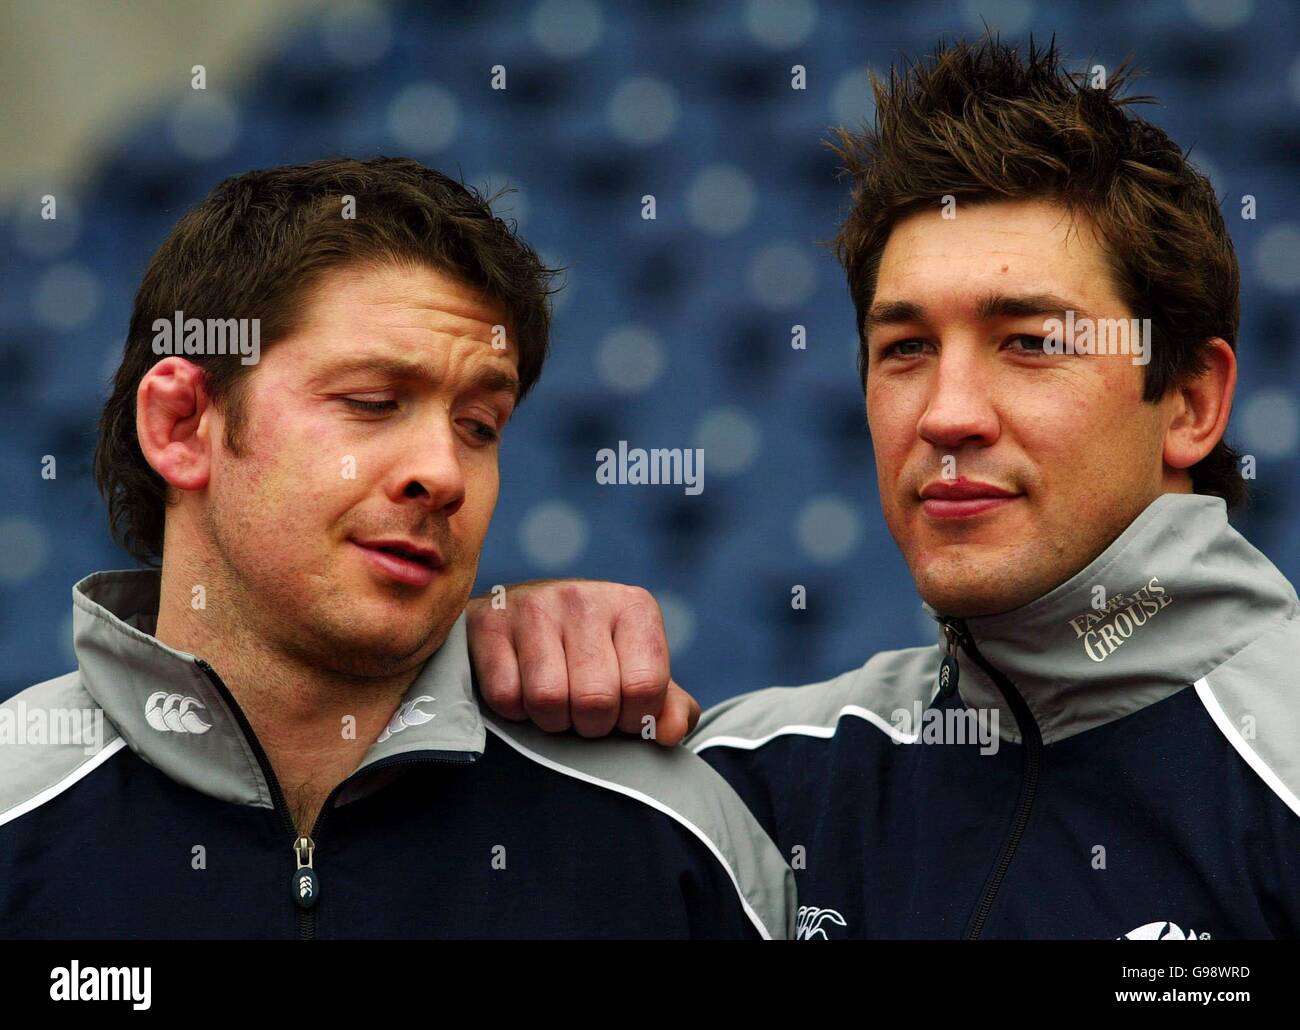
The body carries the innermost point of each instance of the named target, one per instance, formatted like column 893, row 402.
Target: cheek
column 893, row 412
column 882, row 414
column 482, row 483
column 1072, row 429
column 297, row 466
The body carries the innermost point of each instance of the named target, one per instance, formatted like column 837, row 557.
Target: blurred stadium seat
column 670, row 333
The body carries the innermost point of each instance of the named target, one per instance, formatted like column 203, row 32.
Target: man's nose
column 429, row 470
column 959, row 408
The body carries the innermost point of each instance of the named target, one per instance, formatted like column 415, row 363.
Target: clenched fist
column 580, row 653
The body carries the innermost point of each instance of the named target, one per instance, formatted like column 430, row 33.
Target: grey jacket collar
column 172, row 714
column 1184, row 592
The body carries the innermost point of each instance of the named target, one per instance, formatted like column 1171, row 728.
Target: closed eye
column 371, row 407
column 483, row 431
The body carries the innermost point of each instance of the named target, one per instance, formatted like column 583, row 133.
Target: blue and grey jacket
column 1118, row 758
column 135, row 801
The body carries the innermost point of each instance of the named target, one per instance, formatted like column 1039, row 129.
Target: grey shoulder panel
column 685, row 788
column 51, row 736
column 889, row 681
column 1254, row 699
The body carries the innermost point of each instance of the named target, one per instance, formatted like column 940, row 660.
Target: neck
column 314, row 723
column 1181, row 593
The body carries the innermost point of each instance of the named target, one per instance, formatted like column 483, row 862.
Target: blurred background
column 674, row 332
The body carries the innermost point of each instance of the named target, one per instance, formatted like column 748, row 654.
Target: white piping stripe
column 1244, row 749
column 646, row 799
column 49, row 793
column 825, row 732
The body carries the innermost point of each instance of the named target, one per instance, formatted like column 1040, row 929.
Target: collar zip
column 954, row 631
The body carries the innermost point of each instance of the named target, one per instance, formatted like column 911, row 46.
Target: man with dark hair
column 1104, row 742
column 284, row 735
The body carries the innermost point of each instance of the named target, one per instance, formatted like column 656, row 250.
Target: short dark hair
column 983, row 123
column 255, row 247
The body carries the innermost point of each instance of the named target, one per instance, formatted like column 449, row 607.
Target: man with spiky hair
column 1104, row 741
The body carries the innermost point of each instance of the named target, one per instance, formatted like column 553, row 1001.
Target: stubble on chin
column 351, row 639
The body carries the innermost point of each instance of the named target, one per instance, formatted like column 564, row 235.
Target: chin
column 952, row 589
column 964, row 607
column 379, row 651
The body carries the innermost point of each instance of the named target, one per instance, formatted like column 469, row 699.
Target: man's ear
column 174, row 436
column 1206, row 403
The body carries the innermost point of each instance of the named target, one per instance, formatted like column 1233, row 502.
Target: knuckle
column 532, row 608
column 574, row 599
column 644, row 613
column 597, row 702
column 641, row 598
column 654, row 648
column 644, row 685
column 547, row 694
column 487, row 635
column 497, row 681
column 489, row 647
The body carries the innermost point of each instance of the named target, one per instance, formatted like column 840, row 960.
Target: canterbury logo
column 810, row 922
column 1162, row 932
column 1106, row 629
column 304, row 886
column 175, row 713
column 406, row 715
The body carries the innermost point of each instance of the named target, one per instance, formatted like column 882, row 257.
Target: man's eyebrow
column 893, row 312
column 1002, row 306
column 994, row 305
column 496, row 380
column 490, row 380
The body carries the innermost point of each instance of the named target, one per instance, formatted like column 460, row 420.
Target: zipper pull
column 948, row 671
column 306, row 887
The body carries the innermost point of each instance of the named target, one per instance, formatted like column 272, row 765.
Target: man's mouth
column 403, row 561
column 963, row 498
column 939, row 508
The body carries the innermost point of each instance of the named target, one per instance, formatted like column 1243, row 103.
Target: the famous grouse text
column 1106, row 629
